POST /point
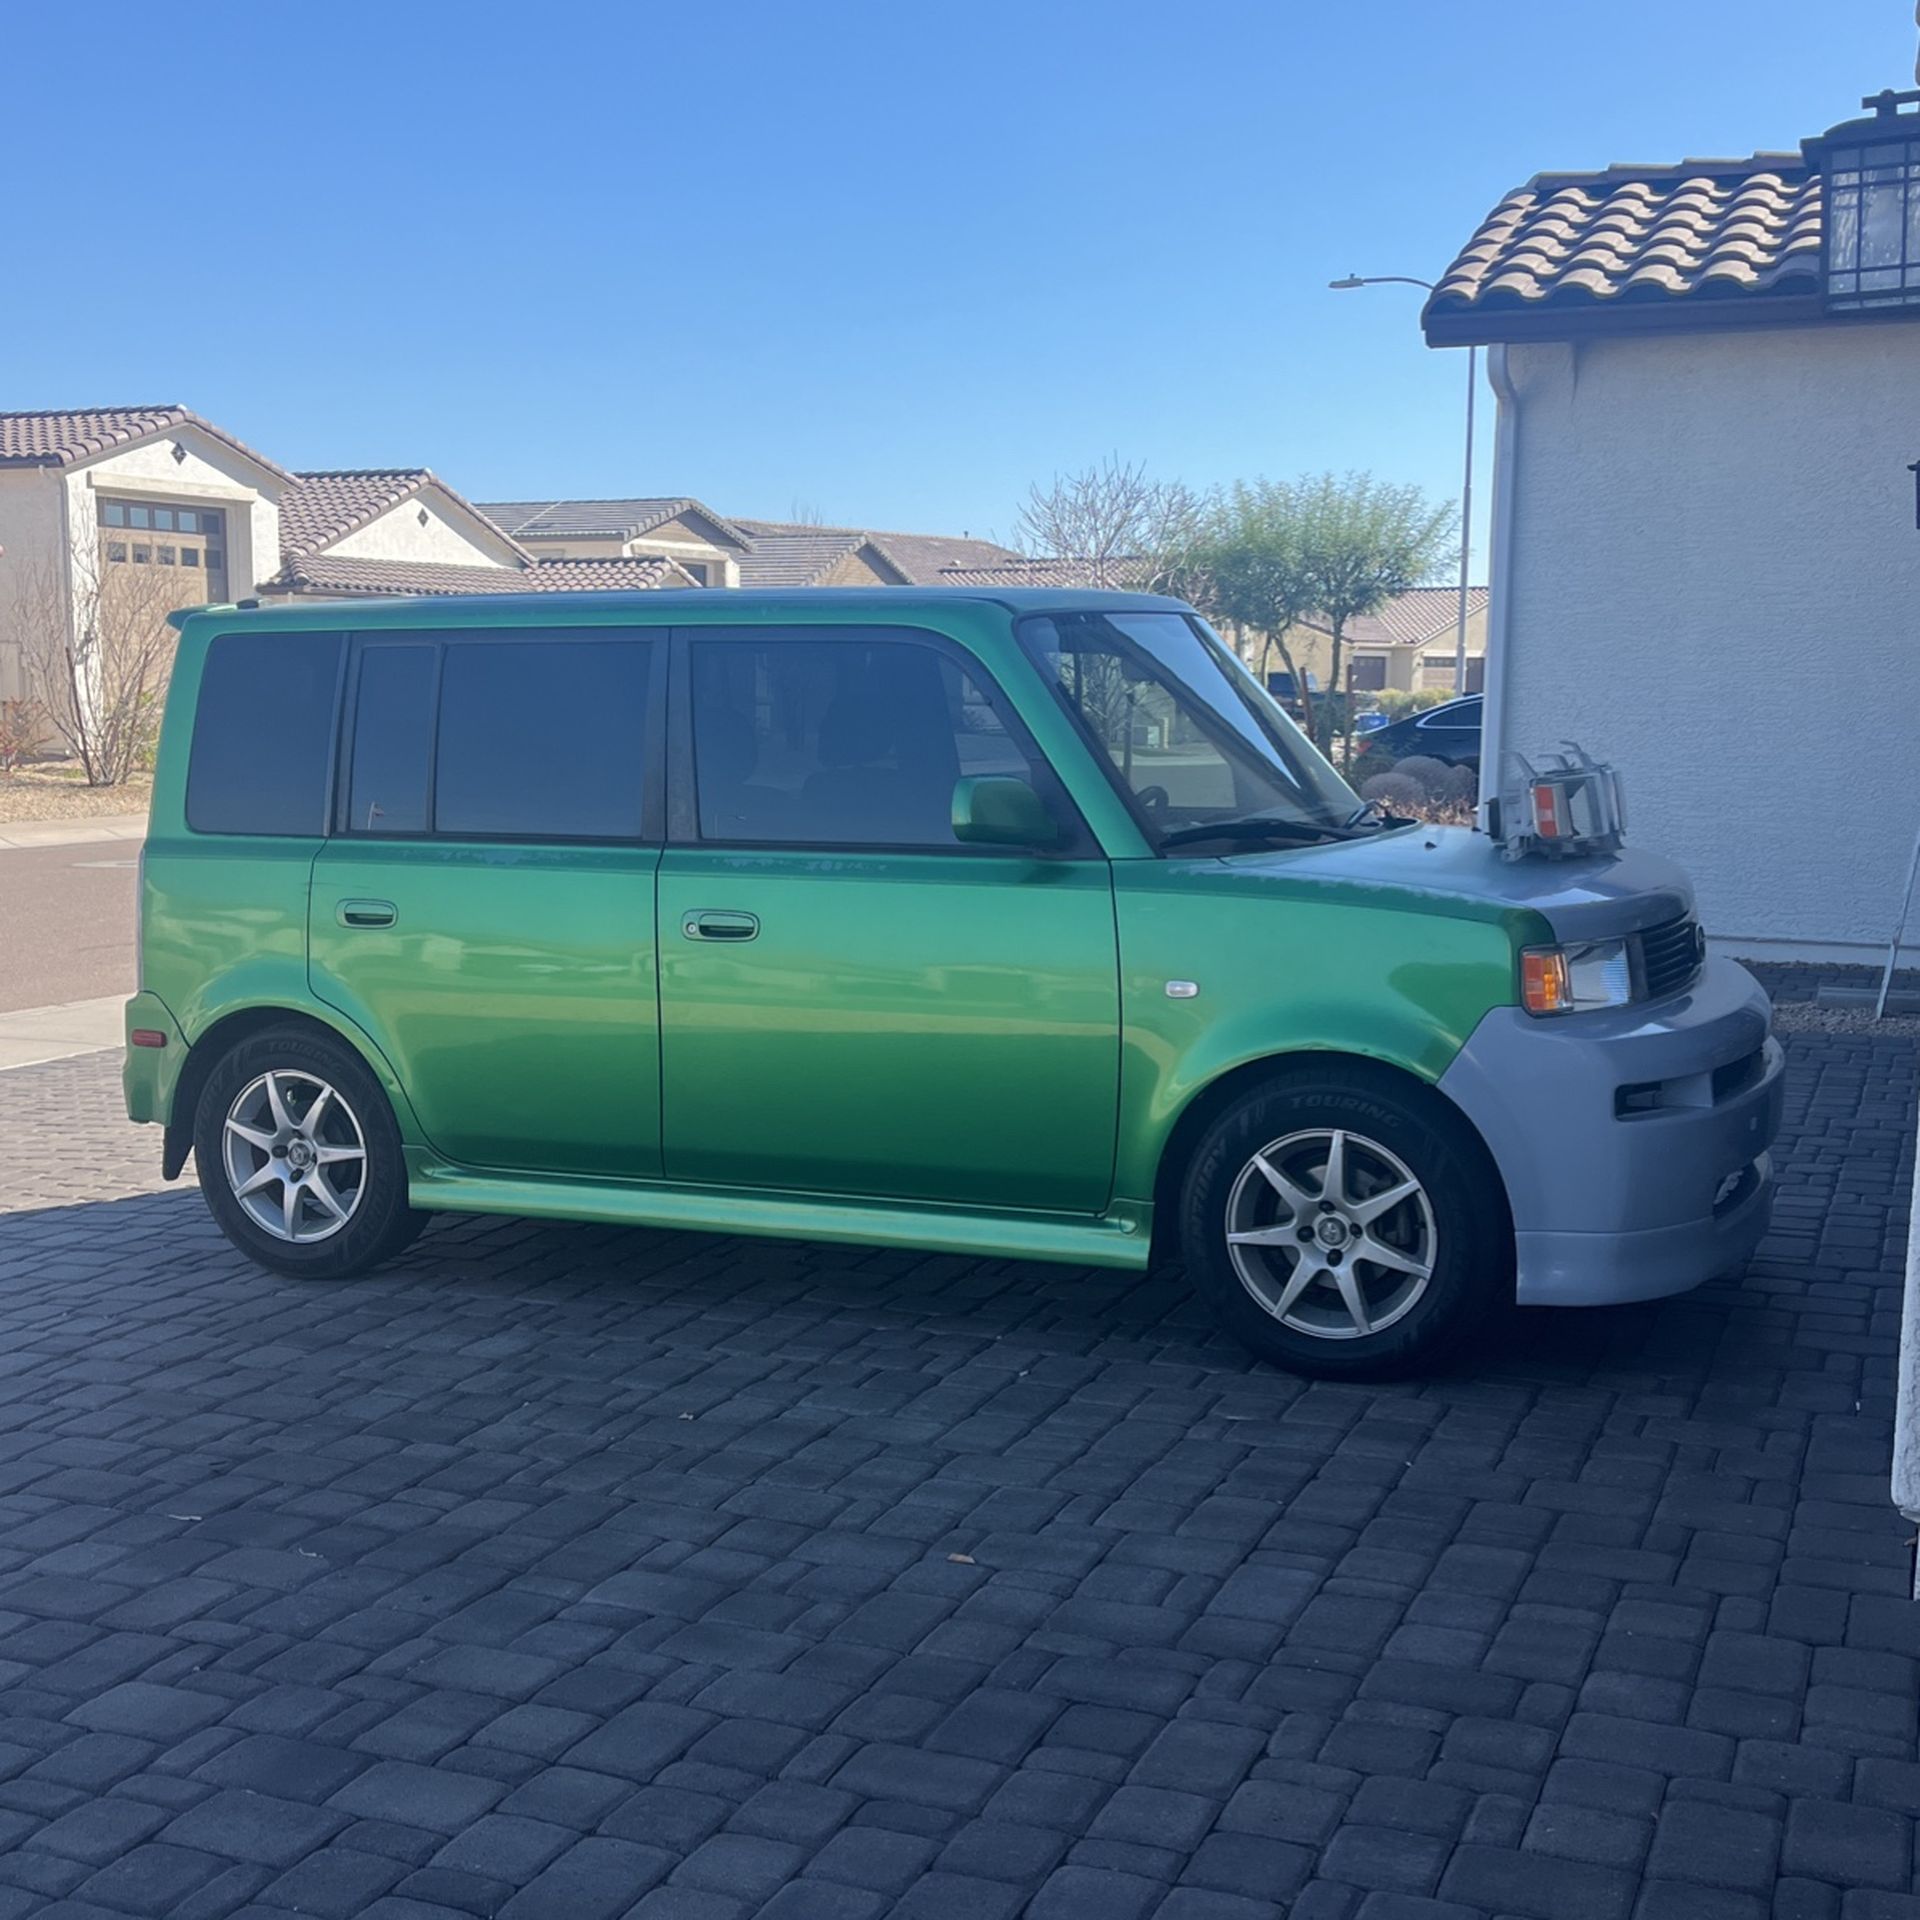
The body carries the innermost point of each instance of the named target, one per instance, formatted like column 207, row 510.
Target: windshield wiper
column 1256, row 826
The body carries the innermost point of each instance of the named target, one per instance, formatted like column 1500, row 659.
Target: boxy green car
column 1008, row 924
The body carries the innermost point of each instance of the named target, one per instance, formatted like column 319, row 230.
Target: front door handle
column 366, row 913
column 711, row 924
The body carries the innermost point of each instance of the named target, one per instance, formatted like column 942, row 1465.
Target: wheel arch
column 240, row 1024
column 1211, row 1100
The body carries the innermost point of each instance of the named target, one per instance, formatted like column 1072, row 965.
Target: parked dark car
column 1450, row 733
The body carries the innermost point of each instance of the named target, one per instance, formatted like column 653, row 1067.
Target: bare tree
column 96, row 648
column 803, row 513
column 1114, row 525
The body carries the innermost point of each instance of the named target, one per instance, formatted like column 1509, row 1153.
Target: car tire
column 1267, row 1194
column 300, row 1158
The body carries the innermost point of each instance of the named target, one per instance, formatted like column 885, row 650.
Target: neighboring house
column 1706, row 548
column 1409, row 645
column 707, row 548
column 791, row 554
column 160, row 497
column 349, row 525
column 801, row 556
column 85, row 492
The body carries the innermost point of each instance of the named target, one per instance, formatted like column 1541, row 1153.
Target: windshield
column 1190, row 736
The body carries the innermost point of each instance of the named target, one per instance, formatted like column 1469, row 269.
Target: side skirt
column 1122, row 1238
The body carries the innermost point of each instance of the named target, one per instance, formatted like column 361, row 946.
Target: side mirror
column 994, row 811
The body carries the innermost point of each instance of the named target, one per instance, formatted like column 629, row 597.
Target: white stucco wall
column 1714, row 581
column 30, row 537
column 449, row 535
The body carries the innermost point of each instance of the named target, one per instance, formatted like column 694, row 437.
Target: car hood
column 1457, row 869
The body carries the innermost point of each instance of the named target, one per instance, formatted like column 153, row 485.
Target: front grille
column 1670, row 956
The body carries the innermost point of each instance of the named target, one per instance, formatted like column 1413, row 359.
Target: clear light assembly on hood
column 1566, row 805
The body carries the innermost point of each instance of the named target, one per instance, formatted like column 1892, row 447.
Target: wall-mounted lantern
column 1870, row 173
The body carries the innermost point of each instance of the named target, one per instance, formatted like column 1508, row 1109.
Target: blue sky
column 888, row 260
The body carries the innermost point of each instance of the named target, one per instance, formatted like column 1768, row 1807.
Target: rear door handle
column 712, row 924
column 366, row 913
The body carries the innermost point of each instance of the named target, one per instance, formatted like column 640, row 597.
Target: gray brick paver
column 631, row 1572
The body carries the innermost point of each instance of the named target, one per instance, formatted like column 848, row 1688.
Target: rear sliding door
column 484, row 908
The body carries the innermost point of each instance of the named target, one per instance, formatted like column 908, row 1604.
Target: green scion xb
column 1006, row 924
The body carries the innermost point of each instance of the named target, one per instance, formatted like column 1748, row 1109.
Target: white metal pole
column 1899, row 931
column 1466, row 530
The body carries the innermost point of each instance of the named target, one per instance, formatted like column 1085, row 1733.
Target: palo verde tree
column 1362, row 541
column 1248, row 569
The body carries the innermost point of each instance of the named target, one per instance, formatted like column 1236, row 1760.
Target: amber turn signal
column 1544, row 986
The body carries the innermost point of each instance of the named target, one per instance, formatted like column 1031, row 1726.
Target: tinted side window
column 542, row 738
column 263, row 734
column 536, row 739
column 392, row 738
column 843, row 742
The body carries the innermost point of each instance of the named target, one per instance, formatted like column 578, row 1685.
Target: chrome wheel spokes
column 294, row 1155
column 1331, row 1233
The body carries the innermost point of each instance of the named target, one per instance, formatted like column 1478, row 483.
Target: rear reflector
column 147, row 1037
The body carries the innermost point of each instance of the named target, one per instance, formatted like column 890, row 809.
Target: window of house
column 696, row 571
column 142, row 555
column 263, row 734
column 166, row 556
column 535, row 739
column 847, row 741
column 116, row 549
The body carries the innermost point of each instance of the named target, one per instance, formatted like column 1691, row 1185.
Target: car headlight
column 1577, row 978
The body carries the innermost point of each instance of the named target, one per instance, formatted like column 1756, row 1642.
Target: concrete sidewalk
column 36, row 1034
column 16, row 834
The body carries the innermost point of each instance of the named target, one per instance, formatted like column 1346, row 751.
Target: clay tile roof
column 1026, row 573
column 624, row 574
column 920, row 559
column 1698, row 231
column 320, row 507
column 793, row 556
column 597, row 519
column 1415, row 618
column 347, row 576
column 924, row 557
column 64, row 437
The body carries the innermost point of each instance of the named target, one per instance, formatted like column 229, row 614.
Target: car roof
column 437, row 609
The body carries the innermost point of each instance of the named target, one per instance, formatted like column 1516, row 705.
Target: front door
column 485, row 906
column 852, row 1002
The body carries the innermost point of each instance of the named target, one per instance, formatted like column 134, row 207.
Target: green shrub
column 1396, row 703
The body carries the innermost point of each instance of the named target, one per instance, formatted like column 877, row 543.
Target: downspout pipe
column 1493, row 709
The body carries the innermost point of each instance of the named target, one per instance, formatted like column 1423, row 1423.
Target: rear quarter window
column 263, row 729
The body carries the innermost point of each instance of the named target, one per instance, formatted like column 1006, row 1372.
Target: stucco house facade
column 1408, row 646
column 1706, row 534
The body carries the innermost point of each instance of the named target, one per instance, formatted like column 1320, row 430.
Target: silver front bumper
column 1634, row 1144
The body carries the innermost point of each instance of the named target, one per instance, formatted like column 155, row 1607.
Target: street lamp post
column 1466, row 485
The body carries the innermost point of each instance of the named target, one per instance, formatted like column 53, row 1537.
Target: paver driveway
column 580, row 1573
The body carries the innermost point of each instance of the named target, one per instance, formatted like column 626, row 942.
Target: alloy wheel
column 294, row 1155
column 1331, row 1233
